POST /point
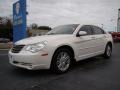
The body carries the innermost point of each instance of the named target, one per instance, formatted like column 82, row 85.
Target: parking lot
column 92, row 74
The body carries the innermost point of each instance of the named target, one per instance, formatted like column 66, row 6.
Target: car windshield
column 63, row 29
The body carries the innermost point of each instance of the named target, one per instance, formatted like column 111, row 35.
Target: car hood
column 37, row 39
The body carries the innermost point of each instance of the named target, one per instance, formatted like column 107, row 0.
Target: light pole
column 102, row 25
column 118, row 21
column 114, row 21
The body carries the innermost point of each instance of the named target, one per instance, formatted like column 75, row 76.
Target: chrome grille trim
column 17, row 48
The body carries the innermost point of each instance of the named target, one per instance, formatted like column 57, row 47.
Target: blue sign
column 19, row 20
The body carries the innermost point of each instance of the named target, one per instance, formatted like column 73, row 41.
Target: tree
column 34, row 26
column 6, row 28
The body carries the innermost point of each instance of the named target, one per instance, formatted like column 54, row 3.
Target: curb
column 4, row 49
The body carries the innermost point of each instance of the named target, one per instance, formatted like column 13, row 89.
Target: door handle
column 93, row 37
column 104, row 37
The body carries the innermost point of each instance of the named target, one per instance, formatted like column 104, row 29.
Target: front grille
column 17, row 48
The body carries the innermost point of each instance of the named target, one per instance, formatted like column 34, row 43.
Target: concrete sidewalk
column 6, row 46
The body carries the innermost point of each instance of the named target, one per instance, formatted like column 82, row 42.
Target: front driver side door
column 85, row 44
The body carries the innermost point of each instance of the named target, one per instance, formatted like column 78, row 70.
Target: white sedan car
column 60, row 47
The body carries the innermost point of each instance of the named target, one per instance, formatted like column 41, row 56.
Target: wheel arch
column 105, row 55
column 110, row 43
column 67, row 47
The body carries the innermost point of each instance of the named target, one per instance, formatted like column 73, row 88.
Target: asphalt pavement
column 91, row 74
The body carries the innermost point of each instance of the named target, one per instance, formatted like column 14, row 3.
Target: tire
column 108, row 51
column 61, row 61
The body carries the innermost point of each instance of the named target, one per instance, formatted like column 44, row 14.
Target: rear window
column 98, row 30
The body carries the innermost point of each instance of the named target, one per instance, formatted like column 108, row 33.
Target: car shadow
column 83, row 65
column 93, row 63
column 30, row 73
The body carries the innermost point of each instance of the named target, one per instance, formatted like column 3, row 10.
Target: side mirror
column 82, row 33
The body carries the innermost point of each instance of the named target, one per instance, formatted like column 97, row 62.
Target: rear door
column 99, row 37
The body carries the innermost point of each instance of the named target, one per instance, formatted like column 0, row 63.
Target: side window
column 98, row 30
column 103, row 32
column 87, row 28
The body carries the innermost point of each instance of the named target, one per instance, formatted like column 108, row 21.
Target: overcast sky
column 57, row 12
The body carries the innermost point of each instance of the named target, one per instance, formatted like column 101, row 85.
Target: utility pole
column 118, row 21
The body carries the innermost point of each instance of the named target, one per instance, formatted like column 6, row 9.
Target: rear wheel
column 108, row 51
column 61, row 61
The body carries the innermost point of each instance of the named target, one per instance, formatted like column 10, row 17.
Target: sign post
column 19, row 20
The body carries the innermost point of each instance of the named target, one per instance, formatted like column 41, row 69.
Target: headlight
column 36, row 47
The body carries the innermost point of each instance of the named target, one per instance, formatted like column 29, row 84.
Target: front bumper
column 30, row 61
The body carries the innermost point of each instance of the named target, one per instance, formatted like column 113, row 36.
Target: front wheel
column 108, row 51
column 61, row 60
